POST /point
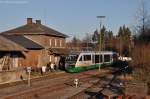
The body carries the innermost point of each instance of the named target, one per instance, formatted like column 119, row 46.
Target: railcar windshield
column 72, row 58
column 71, row 61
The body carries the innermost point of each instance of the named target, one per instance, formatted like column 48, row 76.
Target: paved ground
column 60, row 86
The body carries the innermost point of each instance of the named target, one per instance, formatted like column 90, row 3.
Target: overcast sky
column 72, row 17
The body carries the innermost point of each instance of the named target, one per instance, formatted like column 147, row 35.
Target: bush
column 141, row 62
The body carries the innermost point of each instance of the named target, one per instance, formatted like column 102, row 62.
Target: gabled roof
column 34, row 29
column 23, row 41
column 7, row 45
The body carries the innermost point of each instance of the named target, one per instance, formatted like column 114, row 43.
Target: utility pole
column 100, row 41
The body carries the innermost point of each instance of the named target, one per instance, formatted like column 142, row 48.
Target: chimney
column 38, row 22
column 29, row 20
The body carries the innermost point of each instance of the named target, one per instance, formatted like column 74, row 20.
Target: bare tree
column 87, row 38
column 142, row 22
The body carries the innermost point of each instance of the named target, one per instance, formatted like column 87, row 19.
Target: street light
column 100, row 41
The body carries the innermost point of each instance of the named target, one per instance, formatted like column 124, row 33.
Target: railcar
column 81, row 61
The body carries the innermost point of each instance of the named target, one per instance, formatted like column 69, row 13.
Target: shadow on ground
column 112, row 83
column 99, row 95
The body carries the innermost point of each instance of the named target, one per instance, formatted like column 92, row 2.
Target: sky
column 71, row 17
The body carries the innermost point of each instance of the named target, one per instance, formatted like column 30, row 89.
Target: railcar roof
column 85, row 52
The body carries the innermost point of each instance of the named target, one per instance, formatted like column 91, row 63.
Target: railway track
column 81, row 95
column 58, row 84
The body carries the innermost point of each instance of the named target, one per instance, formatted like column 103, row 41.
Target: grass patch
column 141, row 75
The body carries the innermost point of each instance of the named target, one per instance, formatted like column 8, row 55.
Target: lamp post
column 100, row 39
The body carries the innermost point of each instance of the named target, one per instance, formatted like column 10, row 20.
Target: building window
column 50, row 42
column 60, row 43
column 55, row 42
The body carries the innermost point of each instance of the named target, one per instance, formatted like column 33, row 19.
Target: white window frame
column 55, row 42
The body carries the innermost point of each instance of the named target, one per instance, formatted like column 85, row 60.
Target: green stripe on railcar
column 79, row 69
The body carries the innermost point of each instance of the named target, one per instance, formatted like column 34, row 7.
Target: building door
column 62, row 63
column 57, row 59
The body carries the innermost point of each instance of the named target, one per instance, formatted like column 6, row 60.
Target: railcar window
column 106, row 58
column 97, row 60
column 87, row 57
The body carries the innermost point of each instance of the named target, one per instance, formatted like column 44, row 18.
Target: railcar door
column 98, row 58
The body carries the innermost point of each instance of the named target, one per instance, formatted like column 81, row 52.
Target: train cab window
column 72, row 58
column 106, row 58
column 80, row 59
column 98, row 58
column 87, row 57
